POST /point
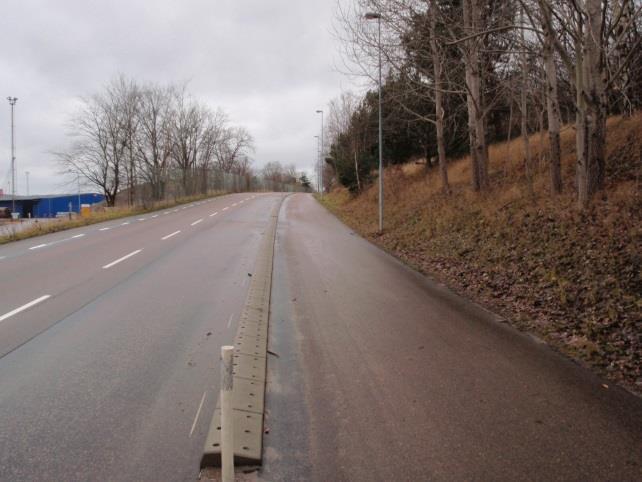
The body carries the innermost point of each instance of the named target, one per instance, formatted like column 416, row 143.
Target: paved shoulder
column 383, row 374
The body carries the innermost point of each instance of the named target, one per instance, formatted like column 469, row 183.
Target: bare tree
column 154, row 137
column 99, row 150
column 187, row 128
column 341, row 112
column 594, row 32
column 235, row 145
column 528, row 161
column 552, row 100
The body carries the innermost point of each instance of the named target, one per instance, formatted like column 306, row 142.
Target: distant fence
column 175, row 184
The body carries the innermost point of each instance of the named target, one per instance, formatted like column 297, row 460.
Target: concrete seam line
column 249, row 363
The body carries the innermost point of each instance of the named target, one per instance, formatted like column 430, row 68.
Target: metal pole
column 317, row 163
column 12, row 102
column 227, row 428
column 380, row 139
column 321, row 156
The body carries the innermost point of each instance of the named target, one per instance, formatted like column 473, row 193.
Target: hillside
column 571, row 277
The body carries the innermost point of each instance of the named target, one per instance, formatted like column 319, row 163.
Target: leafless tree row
column 486, row 55
column 132, row 137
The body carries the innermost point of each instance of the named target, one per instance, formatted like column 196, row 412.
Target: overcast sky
column 268, row 64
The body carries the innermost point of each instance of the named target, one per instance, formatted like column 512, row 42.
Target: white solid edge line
column 133, row 253
column 170, row 235
column 229, row 322
column 39, row 246
column 24, row 307
column 198, row 412
column 214, row 214
column 196, row 222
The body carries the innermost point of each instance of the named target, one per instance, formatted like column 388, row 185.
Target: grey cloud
column 269, row 64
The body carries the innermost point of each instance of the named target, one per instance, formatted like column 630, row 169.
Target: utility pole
column 322, row 160
column 377, row 17
column 318, row 163
column 12, row 102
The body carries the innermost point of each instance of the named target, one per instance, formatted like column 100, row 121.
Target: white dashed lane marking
column 24, row 307
column 170, row 235
column 198, row 412
column 133, row 253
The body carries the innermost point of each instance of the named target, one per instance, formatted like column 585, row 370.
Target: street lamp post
column 12, row 102
column 321, row 155
column 377, row 17
column 318, row 162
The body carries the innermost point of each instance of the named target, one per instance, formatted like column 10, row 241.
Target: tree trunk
column 528, row 161
column 592, row 110
column 356, row 171
column 439, row 110
column 110, row 199
column 552, row 106
column 476, row 127
column 469, row 61
column 553, row 112
column 510, row 132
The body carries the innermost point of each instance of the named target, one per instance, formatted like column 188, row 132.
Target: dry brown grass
column 573, row 277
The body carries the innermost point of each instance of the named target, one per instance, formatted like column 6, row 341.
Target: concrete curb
column 250, row 364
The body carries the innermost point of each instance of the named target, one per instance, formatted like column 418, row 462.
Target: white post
column 227, row 426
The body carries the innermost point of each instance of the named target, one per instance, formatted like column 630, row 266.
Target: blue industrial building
column 50, row 205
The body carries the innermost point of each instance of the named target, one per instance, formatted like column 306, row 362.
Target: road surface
column 109, row 339
column 384, row 375
column 112, row 376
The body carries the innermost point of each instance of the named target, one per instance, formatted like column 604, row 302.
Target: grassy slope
column 571, row 277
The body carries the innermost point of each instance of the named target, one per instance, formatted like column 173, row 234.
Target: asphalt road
column 385, row 375
column 109, row 344
column 109, row 340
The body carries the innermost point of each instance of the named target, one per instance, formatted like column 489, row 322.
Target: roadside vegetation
column 512, row 144
column 573, row 277
column 142, row 143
